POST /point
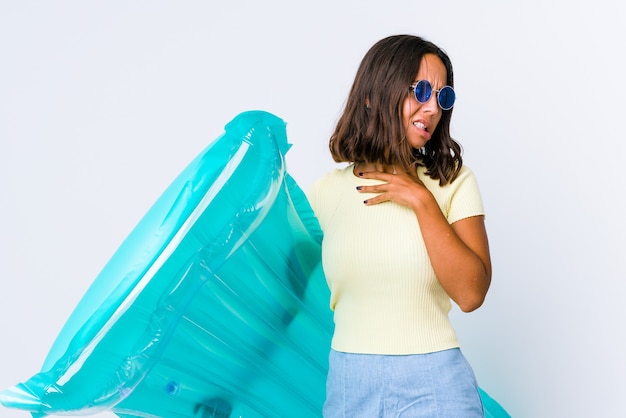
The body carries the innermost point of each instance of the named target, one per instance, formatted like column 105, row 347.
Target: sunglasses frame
column 429, row 92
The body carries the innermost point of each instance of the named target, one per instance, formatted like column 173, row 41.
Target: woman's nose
column 431, row 104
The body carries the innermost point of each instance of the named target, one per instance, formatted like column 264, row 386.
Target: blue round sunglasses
column 423, row 90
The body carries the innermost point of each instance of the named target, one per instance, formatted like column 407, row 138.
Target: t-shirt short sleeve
column 466, row 200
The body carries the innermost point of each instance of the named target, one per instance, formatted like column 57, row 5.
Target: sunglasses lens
column 446, row 98
column 423, row 90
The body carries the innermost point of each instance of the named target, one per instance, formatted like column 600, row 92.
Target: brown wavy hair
column 370, row 129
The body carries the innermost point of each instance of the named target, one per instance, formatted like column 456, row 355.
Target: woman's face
column 421, row 119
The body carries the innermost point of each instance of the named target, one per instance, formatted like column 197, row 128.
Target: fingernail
column 365, row 201
column 359, row 187
column 361, row 174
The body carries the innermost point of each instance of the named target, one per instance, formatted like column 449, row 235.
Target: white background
column 103, row 103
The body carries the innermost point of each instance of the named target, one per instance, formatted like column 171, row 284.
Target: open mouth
column 420, row 125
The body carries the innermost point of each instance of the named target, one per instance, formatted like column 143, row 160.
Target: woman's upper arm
column 472, row 232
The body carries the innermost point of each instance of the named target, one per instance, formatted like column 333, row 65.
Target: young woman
column 404, row 235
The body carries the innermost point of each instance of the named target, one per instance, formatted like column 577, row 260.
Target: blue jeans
column 440, row 384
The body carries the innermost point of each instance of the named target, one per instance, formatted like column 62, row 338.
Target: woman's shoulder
column 464, row 173
column 327, row 189
column 458, row 199
column 330, row 179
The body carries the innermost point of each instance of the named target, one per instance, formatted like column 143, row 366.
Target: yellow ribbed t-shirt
column 384, row 293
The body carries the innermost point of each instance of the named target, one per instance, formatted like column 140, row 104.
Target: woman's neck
column 368, row 167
